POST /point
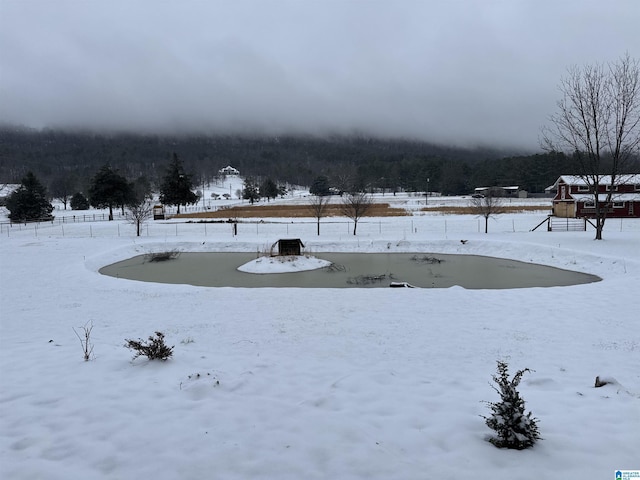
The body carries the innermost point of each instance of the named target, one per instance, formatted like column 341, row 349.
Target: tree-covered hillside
column 348, row 162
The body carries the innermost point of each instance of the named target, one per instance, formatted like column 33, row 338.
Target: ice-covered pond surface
column 351, row 270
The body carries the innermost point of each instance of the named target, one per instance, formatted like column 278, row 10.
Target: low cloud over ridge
column 459, row 72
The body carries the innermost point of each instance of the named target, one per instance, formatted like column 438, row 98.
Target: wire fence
column 64, row 216
column 394, row 227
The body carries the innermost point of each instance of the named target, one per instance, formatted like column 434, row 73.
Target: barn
column 574, row 197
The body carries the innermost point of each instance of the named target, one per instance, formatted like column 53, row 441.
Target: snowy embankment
column 315, row 383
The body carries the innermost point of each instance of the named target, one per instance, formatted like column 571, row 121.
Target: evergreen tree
column 79, row 202
column 109, row 189
column 29, row 202
column 514, row 428
column 250, row 191
column 269, row 189
column 176, row 187
column 320, row 186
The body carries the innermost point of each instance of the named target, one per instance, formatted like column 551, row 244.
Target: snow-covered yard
column 314, row 383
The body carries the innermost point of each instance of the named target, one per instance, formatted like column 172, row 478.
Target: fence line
column 399, row 228
column 103, row 217
column 84, row 218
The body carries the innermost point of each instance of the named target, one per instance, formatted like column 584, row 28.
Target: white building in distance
column 229, row 170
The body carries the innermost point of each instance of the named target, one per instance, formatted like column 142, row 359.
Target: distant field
column 467, row 210
column 333, row 210
column 294, row 211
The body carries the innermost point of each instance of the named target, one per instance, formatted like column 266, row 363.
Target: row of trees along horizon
column 67, row 161
column 597, row 119
column 108, row 189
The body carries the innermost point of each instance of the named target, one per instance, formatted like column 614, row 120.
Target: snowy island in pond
column 284, row 264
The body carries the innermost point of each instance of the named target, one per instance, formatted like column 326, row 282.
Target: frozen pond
column 351, row 270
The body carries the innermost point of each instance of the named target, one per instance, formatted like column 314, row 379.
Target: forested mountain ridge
column 362, row 161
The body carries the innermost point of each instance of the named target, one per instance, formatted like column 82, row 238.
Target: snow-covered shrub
column 513, row 427
column 153, row 349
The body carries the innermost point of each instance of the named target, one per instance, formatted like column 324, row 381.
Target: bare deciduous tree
column 63, row 187
column 598, row 121
column 487, row 206
column 85, row 340
column 138, row 213
column 318, row 207
column 355, row 206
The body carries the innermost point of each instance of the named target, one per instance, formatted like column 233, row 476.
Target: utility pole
column 203, row 195
column 426, row 201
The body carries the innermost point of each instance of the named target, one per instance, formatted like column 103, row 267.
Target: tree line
column 107, row 189
column 66, row 161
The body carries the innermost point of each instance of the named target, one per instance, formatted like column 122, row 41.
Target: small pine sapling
column 153, row 349
column 514, row 428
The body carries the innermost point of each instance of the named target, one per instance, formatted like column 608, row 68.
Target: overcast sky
column 463, row 71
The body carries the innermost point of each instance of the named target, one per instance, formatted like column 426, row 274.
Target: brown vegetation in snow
column 333, row 210
column 293, row 211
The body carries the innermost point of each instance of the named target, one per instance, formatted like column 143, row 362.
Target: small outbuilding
column 158, row 212
column 287, row 247
column 512, row 191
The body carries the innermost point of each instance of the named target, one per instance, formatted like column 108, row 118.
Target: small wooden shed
column 288, row 246
column 158, row 212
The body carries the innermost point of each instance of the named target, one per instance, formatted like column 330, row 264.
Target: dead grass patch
column 333, row 210
column 290, row 211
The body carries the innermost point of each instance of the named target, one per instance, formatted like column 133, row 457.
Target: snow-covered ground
column 285, row 264
column 314, row 383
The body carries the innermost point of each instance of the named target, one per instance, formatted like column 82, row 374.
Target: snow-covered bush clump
column 514, row 429
column 153, row 349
